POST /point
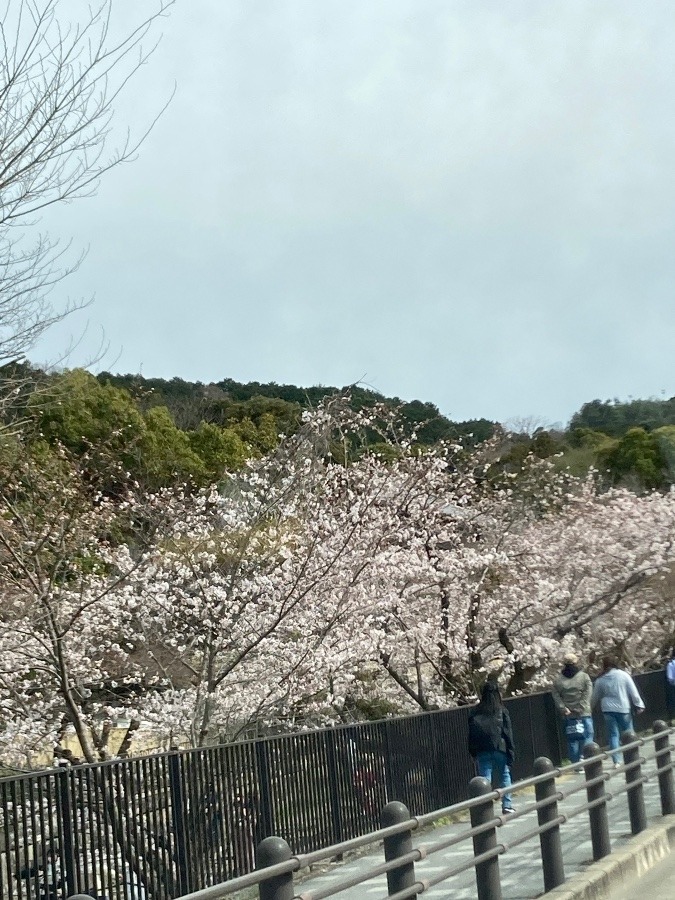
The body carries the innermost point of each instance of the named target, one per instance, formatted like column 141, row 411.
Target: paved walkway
column 520, row 868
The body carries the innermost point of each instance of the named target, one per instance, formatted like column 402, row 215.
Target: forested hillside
column 630, row 444
column 176, row 429
column 226, row 402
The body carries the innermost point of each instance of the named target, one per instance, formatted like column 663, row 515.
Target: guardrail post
column 662, row 745
column 595, row 794
column 398, row 845
column 270, row 852
column 549, row 840
column 636, row 794
column 488, row 882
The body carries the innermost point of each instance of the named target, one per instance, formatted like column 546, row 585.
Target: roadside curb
column 631, row 861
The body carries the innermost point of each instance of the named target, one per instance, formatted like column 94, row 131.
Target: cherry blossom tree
column 64, row 657
column 539, row 572
column 322, row 581
column 262, row 604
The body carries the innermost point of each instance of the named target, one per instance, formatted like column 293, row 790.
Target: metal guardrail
column 276, row 864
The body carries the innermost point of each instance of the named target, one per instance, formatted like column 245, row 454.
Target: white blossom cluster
column 308, row 589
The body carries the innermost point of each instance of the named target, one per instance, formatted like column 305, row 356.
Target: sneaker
column 617, row 765
column 579, row 770
column 508, row 810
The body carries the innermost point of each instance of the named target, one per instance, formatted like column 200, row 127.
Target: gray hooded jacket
column 573, row 693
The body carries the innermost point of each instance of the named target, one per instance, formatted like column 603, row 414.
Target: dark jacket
column 488, row 733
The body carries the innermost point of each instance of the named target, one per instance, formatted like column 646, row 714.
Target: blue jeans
column 490, row 761
column 578, row 740
column 617, row 723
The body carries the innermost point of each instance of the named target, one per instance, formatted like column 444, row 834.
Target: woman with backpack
column 491, row 740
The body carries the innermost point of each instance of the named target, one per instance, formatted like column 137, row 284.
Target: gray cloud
column 469, row 203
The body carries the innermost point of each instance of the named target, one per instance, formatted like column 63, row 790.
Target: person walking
column 491, row 740
column 670, row 685
column 572, row 691
column 616, row 695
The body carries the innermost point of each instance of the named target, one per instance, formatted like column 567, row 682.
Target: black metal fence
column 277, row 863
column 164, row 825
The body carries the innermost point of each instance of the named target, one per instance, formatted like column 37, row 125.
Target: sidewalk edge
column 641, row 854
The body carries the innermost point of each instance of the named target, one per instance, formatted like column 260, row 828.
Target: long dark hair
column 490, row 700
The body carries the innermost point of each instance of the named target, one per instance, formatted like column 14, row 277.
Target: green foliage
column 636, row 460
column 518, row 448
column 230, row 403
column 474, row 431
column 100, row 421
column 665, row 437
column 227, row 413
column 84, row 415
column 219, row 449
column 387, row 452
column 544, row 444
column 165, row 452
column 161, row 430
column 513, row 458
column 615, row 418
column 578, row 461
column 262, row 438
column 588, row 439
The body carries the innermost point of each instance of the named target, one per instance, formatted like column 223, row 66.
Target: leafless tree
column 59, row 83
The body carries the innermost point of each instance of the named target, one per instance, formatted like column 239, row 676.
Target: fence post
column 549, row 840
column 264, row 823
column 398, row 845
column 66, row 816
column 178, row 811
column 636, row 795
column 270, row 852
column 662, row 745
column 335, row 786
column 595, row 793
column 488, row 882
column 389, row 764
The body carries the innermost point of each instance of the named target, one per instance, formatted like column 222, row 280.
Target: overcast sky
column 464, row 202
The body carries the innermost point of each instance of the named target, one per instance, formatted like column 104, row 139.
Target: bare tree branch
column 59, row 83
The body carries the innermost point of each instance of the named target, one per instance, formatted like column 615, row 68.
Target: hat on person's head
column 570, row 658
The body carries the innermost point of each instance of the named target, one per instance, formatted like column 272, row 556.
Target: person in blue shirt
column 670, row 685
column 617, row 696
